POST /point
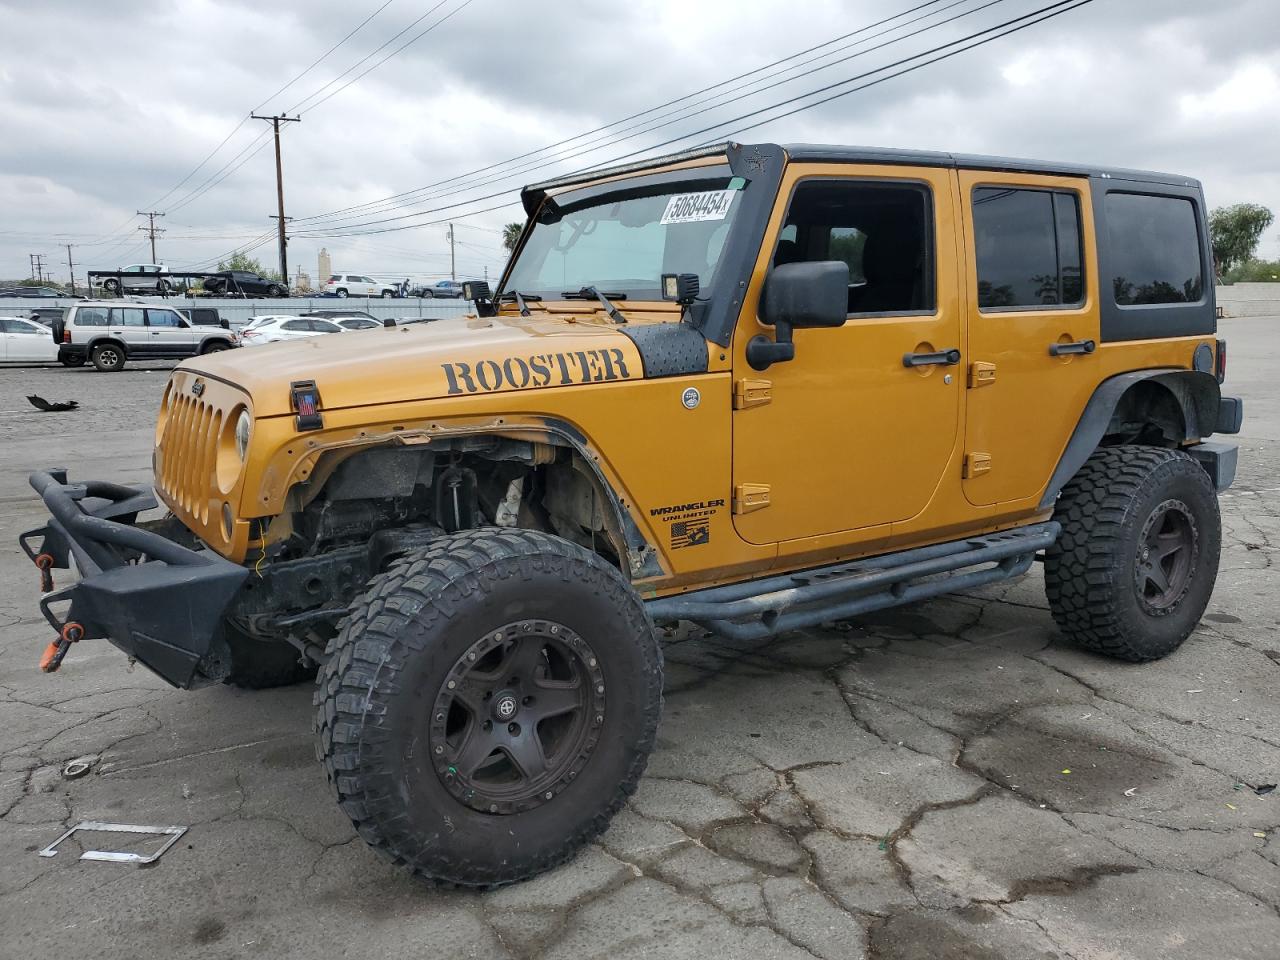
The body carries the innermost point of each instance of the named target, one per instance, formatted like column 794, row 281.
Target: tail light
column 1220, row 361
column 66, row 335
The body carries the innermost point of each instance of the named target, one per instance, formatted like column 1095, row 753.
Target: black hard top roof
column 816, row 152
column 825, row 153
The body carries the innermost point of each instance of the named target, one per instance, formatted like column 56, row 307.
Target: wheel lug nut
column 452, row 684
column 439, row 749
column 548, row 794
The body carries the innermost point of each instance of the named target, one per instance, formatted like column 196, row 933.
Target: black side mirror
column 798, row 295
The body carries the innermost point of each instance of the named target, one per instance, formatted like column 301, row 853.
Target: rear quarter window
column 91, row 317
column 1155, row 249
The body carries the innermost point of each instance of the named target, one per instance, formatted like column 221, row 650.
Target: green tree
column 511, row 236
column 242, row 261
column 1234, row 233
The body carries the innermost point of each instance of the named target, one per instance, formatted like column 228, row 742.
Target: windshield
column 623, row 242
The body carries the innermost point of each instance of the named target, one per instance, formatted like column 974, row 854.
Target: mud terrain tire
column 1111, row 585
column 411, row 667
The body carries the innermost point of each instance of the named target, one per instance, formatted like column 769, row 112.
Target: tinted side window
column 324, row 326
column 883, row 231
column 91, row 317
column 162, row 318
column 1027, row 247
column 126, row 317
column 1155, row 249
column 295, row 325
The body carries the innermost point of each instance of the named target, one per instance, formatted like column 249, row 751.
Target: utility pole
column 71, row 270
column 453, row 271
column 151, row 230
column 275, row 125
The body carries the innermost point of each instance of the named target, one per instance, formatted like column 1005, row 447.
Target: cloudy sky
column 110, row 108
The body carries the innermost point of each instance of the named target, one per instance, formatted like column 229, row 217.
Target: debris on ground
column 52, row 406
column 1263, row 789
column 119, row 856
column 77, row 768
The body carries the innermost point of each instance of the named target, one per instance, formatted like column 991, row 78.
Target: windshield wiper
column 519, row 298
column 588, row 293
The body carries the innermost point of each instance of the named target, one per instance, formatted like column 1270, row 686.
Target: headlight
column 244, row 427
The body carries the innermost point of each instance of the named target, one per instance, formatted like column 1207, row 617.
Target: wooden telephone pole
column 275, row 126
column 151, row 230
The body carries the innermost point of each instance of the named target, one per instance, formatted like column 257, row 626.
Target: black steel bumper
column 155, row 599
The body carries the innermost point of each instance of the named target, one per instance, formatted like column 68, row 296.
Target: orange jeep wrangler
column 750, row 386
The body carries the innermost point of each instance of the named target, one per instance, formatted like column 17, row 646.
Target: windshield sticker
column 696, row 207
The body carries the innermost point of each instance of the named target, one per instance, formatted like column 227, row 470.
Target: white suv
column 108, row 332
column 353, row 284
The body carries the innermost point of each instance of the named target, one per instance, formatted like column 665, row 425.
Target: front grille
column 187, row 452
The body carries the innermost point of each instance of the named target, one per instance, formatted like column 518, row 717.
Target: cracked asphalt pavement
column 947, row 780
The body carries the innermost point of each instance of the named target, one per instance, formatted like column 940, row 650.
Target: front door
column 857, row 431
column 169, row 334
column 1033, row 328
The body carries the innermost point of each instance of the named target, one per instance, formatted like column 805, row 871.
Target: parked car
column 338, row 314
column 109, row 333
column 140, row 278
column 440, row 290
column 354, row 284
column 24, row 341
column 204, row 317
column 31, row 293
column 237, row 282
column 272, row 329
column 47, row 315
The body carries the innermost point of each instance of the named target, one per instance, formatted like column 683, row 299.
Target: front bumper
column 157, row 600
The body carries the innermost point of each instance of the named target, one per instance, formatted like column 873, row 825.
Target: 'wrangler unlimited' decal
column 539, row 370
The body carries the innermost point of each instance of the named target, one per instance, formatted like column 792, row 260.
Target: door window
column 883, row 231
column 1155, row 249
column 295, row 325
column 126, row 317
column 16, row 326
column 1027, row 247
column 324, row 326
column 91, row 317
column 162, row 318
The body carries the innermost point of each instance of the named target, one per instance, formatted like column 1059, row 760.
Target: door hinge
column 976, row 464
column 981, row 374
column 752, row 393
column 750, row 496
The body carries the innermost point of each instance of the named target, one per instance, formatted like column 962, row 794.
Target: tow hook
column 54, row 653
column 45, row 562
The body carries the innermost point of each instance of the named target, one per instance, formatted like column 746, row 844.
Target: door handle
column 943, row 358
column 1078, row 346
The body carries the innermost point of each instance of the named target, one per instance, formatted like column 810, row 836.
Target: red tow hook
column 45, row 562
column 53, row 654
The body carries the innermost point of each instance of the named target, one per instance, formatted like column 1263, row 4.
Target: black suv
column 244, row 283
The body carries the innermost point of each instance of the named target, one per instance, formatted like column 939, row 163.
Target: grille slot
column 188, row 452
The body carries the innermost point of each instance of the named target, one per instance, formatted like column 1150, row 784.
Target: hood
column 446, row 358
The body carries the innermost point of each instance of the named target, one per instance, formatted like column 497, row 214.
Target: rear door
column 1033, row 328
column 129, row 326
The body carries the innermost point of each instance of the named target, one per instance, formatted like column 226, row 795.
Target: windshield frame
column 759, row 165
column 691, row 180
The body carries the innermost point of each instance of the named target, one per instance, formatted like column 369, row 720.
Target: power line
column 298, row 107
column 538, row 166
column 626, row 119
column 987, row 35
column 245, row 119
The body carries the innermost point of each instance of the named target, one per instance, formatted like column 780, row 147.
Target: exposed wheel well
column 453, row 484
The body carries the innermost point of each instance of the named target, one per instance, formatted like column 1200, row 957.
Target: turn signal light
column 1220, row 361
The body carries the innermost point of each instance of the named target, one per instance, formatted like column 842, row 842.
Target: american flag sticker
column 690, row 533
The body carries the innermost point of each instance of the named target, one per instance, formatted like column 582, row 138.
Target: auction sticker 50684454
column 695, row 207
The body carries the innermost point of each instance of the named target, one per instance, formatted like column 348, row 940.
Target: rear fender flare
column 1196, row 395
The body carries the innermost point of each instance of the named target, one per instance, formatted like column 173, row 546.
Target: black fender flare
column 1197, row 395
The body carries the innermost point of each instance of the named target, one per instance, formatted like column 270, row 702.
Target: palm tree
column 511, row 236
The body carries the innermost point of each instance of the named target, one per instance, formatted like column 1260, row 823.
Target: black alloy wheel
column 517, row 717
